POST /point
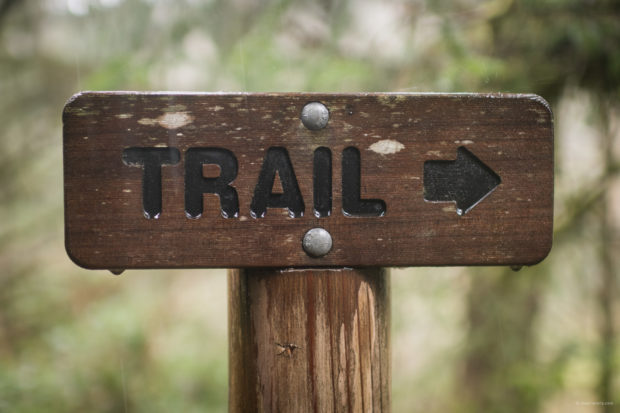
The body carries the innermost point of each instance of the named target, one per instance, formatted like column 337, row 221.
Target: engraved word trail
column 276, row 161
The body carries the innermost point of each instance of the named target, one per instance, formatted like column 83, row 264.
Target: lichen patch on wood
column 386, row 147
column 169, row 120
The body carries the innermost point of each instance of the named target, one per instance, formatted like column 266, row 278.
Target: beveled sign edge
column 74, row 99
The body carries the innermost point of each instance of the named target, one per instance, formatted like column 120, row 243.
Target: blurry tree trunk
column 500, row 353
column 311, row 340
column 5, row 6
column 608, row 283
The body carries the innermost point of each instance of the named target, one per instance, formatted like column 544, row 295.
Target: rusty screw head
column 317, row 242
column 315, row 116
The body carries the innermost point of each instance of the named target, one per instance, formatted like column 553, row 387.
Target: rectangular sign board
column 194, row 180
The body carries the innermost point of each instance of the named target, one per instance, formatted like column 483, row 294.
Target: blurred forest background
column 464, row 340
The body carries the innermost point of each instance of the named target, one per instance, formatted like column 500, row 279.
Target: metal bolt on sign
column 315, row 115
column 317, row 242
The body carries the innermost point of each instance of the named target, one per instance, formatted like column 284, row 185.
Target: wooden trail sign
column 157, row 180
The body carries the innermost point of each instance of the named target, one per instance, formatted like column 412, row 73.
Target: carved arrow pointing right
column 466, row 181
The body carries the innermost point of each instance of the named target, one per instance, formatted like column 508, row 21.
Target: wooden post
column 311, row 340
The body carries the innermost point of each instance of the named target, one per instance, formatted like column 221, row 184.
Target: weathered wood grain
column 309, row 340
column 395, row 135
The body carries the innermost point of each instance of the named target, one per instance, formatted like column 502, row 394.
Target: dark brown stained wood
column 309, row 340
column 395, row 134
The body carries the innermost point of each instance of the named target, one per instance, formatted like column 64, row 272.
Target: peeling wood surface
column 395, row 135
column 309, row 340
